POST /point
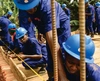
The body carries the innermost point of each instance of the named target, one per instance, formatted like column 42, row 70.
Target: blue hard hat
column 63, row 5
column 26, row 4
column 9, row 13
column 20, row 32
column 12, row 25
column 72, row 47
column 97, row 4
column 86, row 1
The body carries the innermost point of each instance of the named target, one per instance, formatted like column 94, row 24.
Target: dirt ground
column 96, row 40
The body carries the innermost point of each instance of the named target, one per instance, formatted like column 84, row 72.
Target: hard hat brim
column 18, row 37
column 97, row 5
column 77, row 56
column 26, row 6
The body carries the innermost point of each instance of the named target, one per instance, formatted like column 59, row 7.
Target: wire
column 24, row 62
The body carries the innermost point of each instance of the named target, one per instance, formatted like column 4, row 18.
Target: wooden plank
column 16, row 71
column 45, row 76
column 25, row 75
column 29, row 74
column 4, row 54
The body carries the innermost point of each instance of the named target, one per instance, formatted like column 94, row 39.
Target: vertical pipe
column 82, row 40
column 54, row 34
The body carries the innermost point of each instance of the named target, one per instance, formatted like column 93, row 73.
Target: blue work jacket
column 92, row 73
column 32, row 46
column 4, row 22
column 23, row 22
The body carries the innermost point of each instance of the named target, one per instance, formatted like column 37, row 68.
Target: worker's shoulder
column 4, row 20
column 93, row 67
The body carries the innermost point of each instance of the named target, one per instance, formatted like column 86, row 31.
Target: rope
column 24, row 62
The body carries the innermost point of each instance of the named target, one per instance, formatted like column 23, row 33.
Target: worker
column 89, row 12
column 67, row 11
column 16, row 45
column 97, row 15
column 8, row 15
column 72, row 59
column 40, row 14
column 33, row 53
column 4, row 34
column 25, row 21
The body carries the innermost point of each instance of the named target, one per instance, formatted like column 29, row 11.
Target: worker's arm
column 61, row 72
column 22, row 56
column 88, row 14
column 31, row 56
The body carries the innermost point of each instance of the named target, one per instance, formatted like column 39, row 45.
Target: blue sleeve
column 93, row 72
column 98, row 13
column 44, row 51
column 18, row 44
column 11, row 45
column 5, row 24
column 61, row 17
column 36, row 47
column 47, row 17
column 23, row 22
column 91, row 10
column 68, row 13
column 5, row 32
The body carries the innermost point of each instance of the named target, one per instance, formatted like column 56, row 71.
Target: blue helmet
column 63, row 5
column 12, row 25
column 97, row 4
column 72, row 47
column 20, row 32
column 86, row 1
column 26, row 4
column 9, row 13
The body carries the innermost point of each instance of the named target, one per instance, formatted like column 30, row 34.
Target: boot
column 50, row 75
column 87, row 32
column 98, row 33
column 92, row 34
column 42, row 70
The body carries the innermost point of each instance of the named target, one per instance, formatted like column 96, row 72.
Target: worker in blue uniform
column 72, row 59
column 4, row 34
column 16, row 45
column 8, row 15
column 25, row 21
column 67, row 11
column 40, row 14
column 97, row 16
column 33, row 53
column 89, row 12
